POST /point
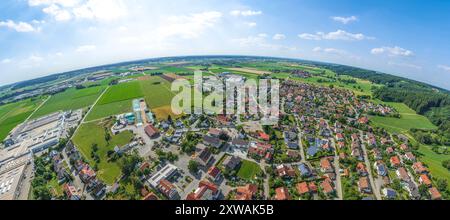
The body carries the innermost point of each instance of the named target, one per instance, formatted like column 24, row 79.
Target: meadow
column 93, row 133
column 15, row 113
column 71, row 99
column 117, row 100
column 408, row 119
column 248, row 170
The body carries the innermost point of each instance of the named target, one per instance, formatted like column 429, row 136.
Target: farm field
column 117, row 99
column 248, row 170
column 121, row 92
column 249, row 70
column 15, row 113
column 409, row 119
column 71, row 99
column 93, row 133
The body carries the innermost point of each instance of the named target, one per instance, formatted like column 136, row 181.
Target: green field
column 121, row 92
column 15, row 113
column 408, row 119
column 91, row 133
column 118, row 98
column 157, row 92
column 434, row 162
column 71, row 99
column 248, row 170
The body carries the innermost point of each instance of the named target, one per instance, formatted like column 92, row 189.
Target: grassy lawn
column 248, row 170
column 434, row 162
column 409, row 119
column 94, row 133
column 71, row 99
column 15, row 113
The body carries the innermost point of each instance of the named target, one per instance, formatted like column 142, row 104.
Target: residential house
column 361, row 169
column 246, row 192
column 381, row 168
column 168, row 189
column 214, row 174
column 239, row 143
column 419, row 168
column 282, row 193
column 403, row 174
column 151, row 131
column 325, row 165
column 424, row 179
column 285, row 171
column 302, row 188
column 364, row 185
column 395, row 161
column 304, row 169
column 212, row 141
column 327, row 186
column 231, row 162
column 389, row 193
column 71, row 192
column 205, row 191
column 435, row 194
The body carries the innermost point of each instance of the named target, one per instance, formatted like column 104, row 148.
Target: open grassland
column 117, row 100
column 15, row 113
column 434, row 162
column 71, row 99
column 121, row 92
column 94, row 133
column 248, row 170
column 249, row 70
column 408, row 119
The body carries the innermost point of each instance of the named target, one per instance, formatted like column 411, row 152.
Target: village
column 323, row 148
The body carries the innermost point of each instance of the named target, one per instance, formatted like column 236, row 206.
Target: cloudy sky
column 409, row 38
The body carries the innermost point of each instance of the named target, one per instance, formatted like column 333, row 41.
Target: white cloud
column 245, row 13
column 19, row 26
column 6, row 61
column 345, row 20
column 392, row 51
column 330, row 51
column 57, row 12
column 35, row 59
column 85, row 48
column 190, row 26
column 65, row 3
column 260, row 41
column 336, row 35
column 408, row 65
column 279, row 37
column 64, row 10
column 307, row 36
column 444, row 67
column 251, row 24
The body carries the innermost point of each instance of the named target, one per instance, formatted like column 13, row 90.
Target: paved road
column 300, row 142
column 375, row 190
column 35, row 110
column 337, row 171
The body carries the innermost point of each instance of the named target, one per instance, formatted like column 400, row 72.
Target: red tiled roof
column 282, row 193
column 214, row 171
column 302, row 188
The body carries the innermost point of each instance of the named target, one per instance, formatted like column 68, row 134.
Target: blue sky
column 403, row 37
